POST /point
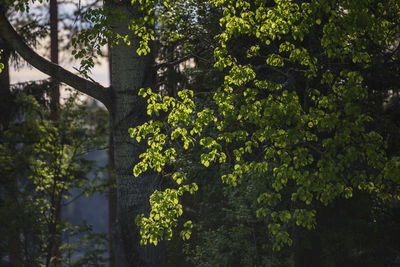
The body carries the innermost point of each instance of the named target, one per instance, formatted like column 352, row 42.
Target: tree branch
column 58, row 73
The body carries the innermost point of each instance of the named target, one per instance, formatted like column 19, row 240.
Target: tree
column 7, row 110
column 125, row 109
column 298, row 108
column 16, row 189
column 46, row 158
column 55, row 243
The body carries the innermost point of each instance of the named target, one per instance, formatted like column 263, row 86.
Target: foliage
column 89, row 42
column 302, row 119
column 294, row 108
column 176, row 24
column 41, row 162
column 1, row 64
column 92, row 247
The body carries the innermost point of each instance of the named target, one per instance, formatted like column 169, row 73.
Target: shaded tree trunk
column 112, row 192
column 129, row 73
column 112, row 203
column 54, row 254
column 55, row 92
column 6, row 107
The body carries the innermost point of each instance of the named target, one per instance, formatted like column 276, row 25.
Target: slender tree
column 5, row 93
column 54, row 232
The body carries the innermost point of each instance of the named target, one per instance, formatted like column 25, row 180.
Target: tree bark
column 112, row 204
column 130, row 72
column 112, row 192
column 6, row 109
column 54, row 254
column 55, row 88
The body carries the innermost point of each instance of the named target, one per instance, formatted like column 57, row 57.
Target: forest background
column 271, row 133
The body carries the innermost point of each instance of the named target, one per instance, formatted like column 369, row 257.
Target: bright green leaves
column 180, row 115
column 204, row 117
column 275, row 60
column 322, row 146
column 1, row 64
column 164, row 138
column 253, row 51
column 179, row 177
column 165, row 211
column 218, row 2
column 239, row 75
column 142, row 27
column 236, row 26
column 156, row 156
column 182, row 112
column 291, row 109
column 214, row 152
column 273, row 22
column 185, row 234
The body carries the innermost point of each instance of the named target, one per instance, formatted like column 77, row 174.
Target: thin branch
column 72, row 200
column 58, row 73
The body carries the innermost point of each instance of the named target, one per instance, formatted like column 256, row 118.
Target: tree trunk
column 112, row 192
column 55, row 89
column 129, row 73
column 54, row 255
column 6, row 101
column 112, row 204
